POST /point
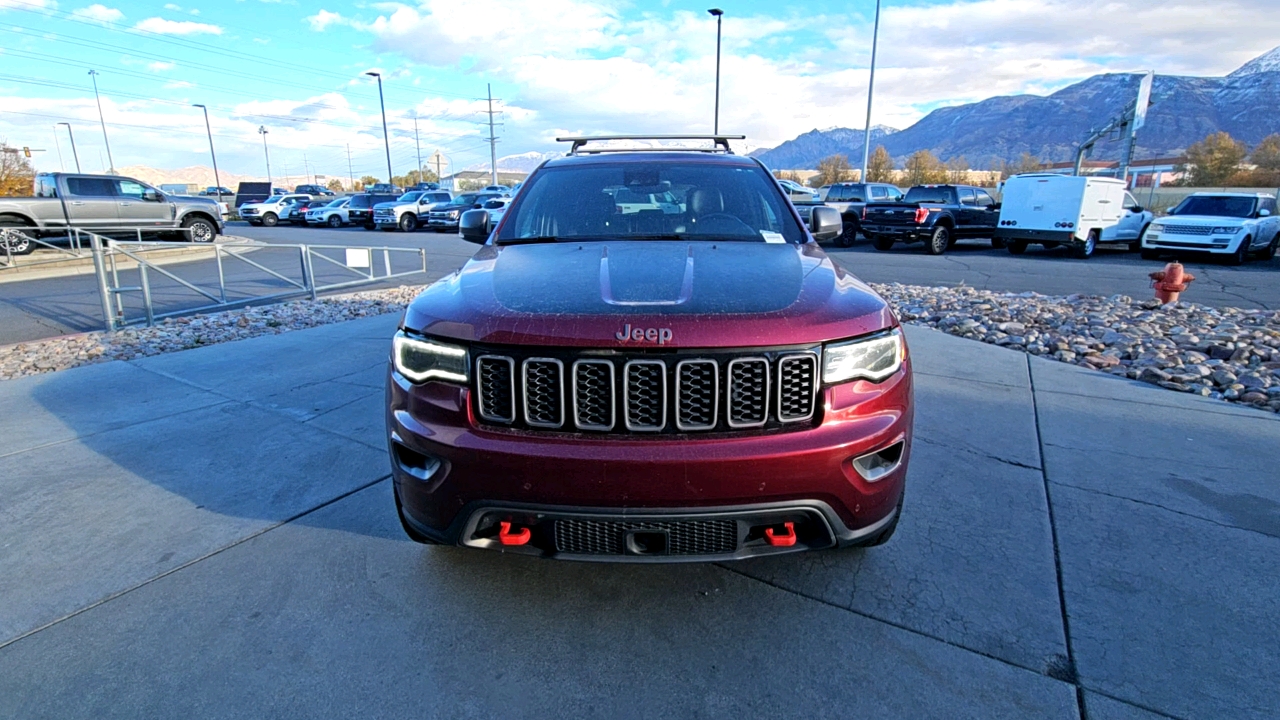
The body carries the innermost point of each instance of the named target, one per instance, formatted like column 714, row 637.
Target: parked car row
column 427, row 206
column 1076, row 212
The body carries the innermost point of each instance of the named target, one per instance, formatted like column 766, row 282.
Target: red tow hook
column 520, row 537
column 786, row 539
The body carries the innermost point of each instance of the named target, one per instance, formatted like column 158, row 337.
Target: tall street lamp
column 719, row 14
column 386, row 139
column 217, row 181
column 871, row 83
column 73, row 145
column 262, row 130
column 110, row 163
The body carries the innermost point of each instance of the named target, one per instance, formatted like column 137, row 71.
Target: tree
column 1028, row 163
column 923, row 168
column 368, row 180
column 335, row 185
column 413, row 177
column 791, row 175
column 958, row 170
column 17, row 176
column 1266, row 159
column 880, row 166
column 833, row 169
column 1212, row 161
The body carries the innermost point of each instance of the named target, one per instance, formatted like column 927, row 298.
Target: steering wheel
column 730, row 224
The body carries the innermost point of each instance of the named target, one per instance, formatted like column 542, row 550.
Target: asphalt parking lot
column 51, row 306
column 186, row 539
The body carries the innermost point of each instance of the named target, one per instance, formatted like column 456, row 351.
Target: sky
column 556, row 67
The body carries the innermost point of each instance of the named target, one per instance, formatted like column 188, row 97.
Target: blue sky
column 556, row 67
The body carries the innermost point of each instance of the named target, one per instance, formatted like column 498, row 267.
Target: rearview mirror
column 825, row 223
column 474, row 226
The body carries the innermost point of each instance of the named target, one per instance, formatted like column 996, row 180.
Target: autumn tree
column 880, row 166
column 791, row 175
column 833, row 169
column 957, row 170
column 1214, row 160
column 335, row 185
column 923, row 168
column 1266, row 160
column 17, row 176
column 1027, row 163
column 368, row 180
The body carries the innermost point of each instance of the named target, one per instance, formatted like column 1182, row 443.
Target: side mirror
column 151, row 195
column 825, row 223
column 474, row 226
column 1264, row 213
column 1137, row 209
column 995, row 207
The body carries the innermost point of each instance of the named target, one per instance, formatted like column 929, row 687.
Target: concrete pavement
column 211, row 533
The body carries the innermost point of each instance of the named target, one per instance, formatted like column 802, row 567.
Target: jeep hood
column 708, row 294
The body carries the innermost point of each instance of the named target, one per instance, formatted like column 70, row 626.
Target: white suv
column 1233, row 224
column 269, row 211
column 334, row 214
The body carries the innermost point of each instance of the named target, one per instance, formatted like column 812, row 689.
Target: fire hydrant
column 1170, row 282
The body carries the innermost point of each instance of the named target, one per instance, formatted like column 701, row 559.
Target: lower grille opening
column 620, row 537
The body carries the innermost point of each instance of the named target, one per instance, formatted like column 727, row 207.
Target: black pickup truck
column 937, row 215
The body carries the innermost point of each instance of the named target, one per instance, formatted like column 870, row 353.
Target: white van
column 1077, row 211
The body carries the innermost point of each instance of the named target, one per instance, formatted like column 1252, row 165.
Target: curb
column 84, row 265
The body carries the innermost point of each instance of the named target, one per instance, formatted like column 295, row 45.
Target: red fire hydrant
column 1170, row 282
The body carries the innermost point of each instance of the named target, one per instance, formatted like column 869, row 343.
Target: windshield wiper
column 529, row 240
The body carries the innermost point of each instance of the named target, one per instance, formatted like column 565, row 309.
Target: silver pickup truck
column 108, row 204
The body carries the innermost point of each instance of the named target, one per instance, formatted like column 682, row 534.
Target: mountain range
column 1184, row 111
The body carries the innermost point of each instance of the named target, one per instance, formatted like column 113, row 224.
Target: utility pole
column 417, row 146
column 719, row 15
column 73, row 145
column 437, row 158
column 386, row 139
column 351, row 173
column 262, row 130
column 306, row 169
column 217, row 181
column 111, row 164
column 493, row 142
column 871, row 84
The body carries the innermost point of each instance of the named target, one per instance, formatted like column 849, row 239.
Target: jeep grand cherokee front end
column 647, row 385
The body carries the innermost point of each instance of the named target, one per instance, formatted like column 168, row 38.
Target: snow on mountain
column 1268, row 62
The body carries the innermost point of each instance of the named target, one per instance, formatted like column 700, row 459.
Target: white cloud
column 161, row 26
column 27, row 4
column 178, row 84
column 324, row 19
column 99, row 13
column 159, row 66
column 171, row 6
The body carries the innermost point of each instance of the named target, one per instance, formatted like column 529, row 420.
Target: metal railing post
column 146, row 294
column 386, row 263
column 100, row 271
column 115, row 281
column 222, row 280
column 310, row 269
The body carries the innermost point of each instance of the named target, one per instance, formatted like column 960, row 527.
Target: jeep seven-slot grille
column 647, row 393
column 608, row 537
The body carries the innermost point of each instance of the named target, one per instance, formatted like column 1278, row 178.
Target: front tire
column 408, row 222
column 270, row 220
column 1241, row 255
column 1136, row 245
column 200, row 230
column 1084, row 250
column 939, row 241
column 848, row 232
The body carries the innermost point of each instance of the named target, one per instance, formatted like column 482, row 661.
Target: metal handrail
column 74, row 237
column 105, row 251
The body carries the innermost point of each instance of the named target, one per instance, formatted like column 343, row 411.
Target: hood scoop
column 646, row 294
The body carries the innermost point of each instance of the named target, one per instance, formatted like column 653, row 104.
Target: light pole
column 111, row 164
column 74, row 154
column 417, row 145
column 217, row 181
column 262, row 130
column 386, row 139
column 719, row 14
column 871, row 83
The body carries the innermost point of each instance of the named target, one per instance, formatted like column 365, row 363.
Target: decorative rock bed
column 1223, row 353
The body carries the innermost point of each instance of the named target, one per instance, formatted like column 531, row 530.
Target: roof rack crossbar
column 721, row 143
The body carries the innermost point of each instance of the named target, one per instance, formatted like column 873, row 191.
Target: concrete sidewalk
column 211, row 534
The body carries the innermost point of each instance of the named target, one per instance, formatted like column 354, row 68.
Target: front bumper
column 456, row 480
column 1212, row 244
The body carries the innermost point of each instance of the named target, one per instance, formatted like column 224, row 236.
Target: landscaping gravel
column 1222, row 353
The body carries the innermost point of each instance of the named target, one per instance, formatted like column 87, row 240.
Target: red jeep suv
column 650, row 359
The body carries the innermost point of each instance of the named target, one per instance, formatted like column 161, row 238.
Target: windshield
column 468, row 199
column 928, row 195
column 1217, row 206
column 410, row 196
column 337, row 203
column 676, row 200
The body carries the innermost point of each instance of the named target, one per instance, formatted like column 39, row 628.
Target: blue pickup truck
column 936, row 215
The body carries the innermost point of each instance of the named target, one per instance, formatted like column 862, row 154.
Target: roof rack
column 721, row 143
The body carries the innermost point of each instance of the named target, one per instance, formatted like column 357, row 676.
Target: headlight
column 871, row 359
column 1155, row 227
column 453, row 213
column 1226, row 230
column 420, row 360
